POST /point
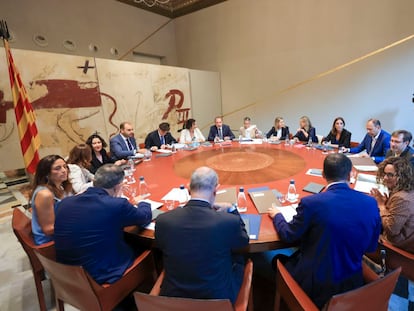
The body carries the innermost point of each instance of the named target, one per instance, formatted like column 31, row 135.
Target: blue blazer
column 334, row 228
column 119, row 149
column 197, row 243
column 89, row 232
column 273, row 131
column 380, row 148
column 153, row 139
column 312, row 133
column 214, row 132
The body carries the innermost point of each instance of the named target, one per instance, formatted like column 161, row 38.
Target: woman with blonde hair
column 50, row 185
column 279, row 130
column 306, row 131
column 79, row 161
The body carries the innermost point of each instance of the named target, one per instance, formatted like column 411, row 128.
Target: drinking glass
column 170, row 204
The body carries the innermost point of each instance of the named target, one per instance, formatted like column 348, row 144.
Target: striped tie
column 129, row 144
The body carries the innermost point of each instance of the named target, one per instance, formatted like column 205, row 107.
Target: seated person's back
column 197, row 243
column 89, row 227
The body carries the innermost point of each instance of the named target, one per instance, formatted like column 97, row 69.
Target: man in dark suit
column 334, row 228
column 220, row 130
column 400, row 146
column 123, row 145
column 89, row 227
column 160, row 139
column 376, row 142
column 197, row 243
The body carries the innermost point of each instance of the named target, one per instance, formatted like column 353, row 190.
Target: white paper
column 366, row 168
column 177, row 194
column 314, row 172
column 288, row 211
column 163, row 151
column 255, row 141
column 151, row 226
column 154, row 204
column 365, row 182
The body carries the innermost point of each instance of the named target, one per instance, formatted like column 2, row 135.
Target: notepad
column 313, row 187
column 154, row 204
column 288, row 211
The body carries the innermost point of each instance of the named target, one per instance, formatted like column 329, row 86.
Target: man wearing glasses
column 400, row 146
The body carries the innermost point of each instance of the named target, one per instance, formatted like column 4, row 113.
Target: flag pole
column 25, row 115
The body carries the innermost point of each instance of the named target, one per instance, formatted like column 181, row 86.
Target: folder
column 252, row 224
column 313, row 187
column 228, row 195
column 263, row 200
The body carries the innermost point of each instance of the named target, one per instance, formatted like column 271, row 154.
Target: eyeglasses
column 390, row 175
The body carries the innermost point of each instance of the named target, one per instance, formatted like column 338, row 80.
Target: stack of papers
column 255, row 141
column 365, row 182
column 177, row 194
column 288, row 211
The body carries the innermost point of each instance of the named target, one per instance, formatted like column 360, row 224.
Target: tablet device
column 313, row 187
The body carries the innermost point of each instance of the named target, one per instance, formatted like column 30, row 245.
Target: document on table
column 365, row 182
column 314, row 172
column 176, row 194
column 255, row 141
column 288, row 211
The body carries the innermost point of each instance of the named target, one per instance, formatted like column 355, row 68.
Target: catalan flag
column 25, row 116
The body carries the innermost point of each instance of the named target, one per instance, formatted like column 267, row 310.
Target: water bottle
column 143, row 188
column 131, row 164
column 241, row 201
column 291, row 193
column 310, row 143
column 183, row 194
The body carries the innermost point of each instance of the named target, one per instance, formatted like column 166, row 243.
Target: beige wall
column 265, row 46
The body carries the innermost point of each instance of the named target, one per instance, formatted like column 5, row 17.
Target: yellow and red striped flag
column 25, row 116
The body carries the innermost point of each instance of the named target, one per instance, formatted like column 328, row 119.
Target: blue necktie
column 129, row 144
column 162, row 140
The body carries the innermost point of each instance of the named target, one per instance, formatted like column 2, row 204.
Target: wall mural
column 75, row 96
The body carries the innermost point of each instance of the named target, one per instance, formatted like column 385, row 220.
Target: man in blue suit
column 89, row 227
column 197, row 243
column 334, row 229
column 123, row 145
column 220, row 130
column 376, row 142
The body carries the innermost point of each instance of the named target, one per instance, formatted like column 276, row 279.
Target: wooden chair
column 373, row 296
column 73, row 285
column 396, row 257
column 22, row 228
column 154, row 302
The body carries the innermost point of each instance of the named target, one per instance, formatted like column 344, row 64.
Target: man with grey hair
column 197, row 242
column 89, row 227
column 400, row 145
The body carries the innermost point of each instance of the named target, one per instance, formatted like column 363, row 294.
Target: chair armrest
column 245, row 293
column 368, row 274
column 156, row 289
column 291, row 292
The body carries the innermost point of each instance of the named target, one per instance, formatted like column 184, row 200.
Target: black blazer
column 344, row 139
column 312, row 133
column 197, row 244
column 225, row 129
column 273, row 131
column 95, row 163
column 153, row 139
